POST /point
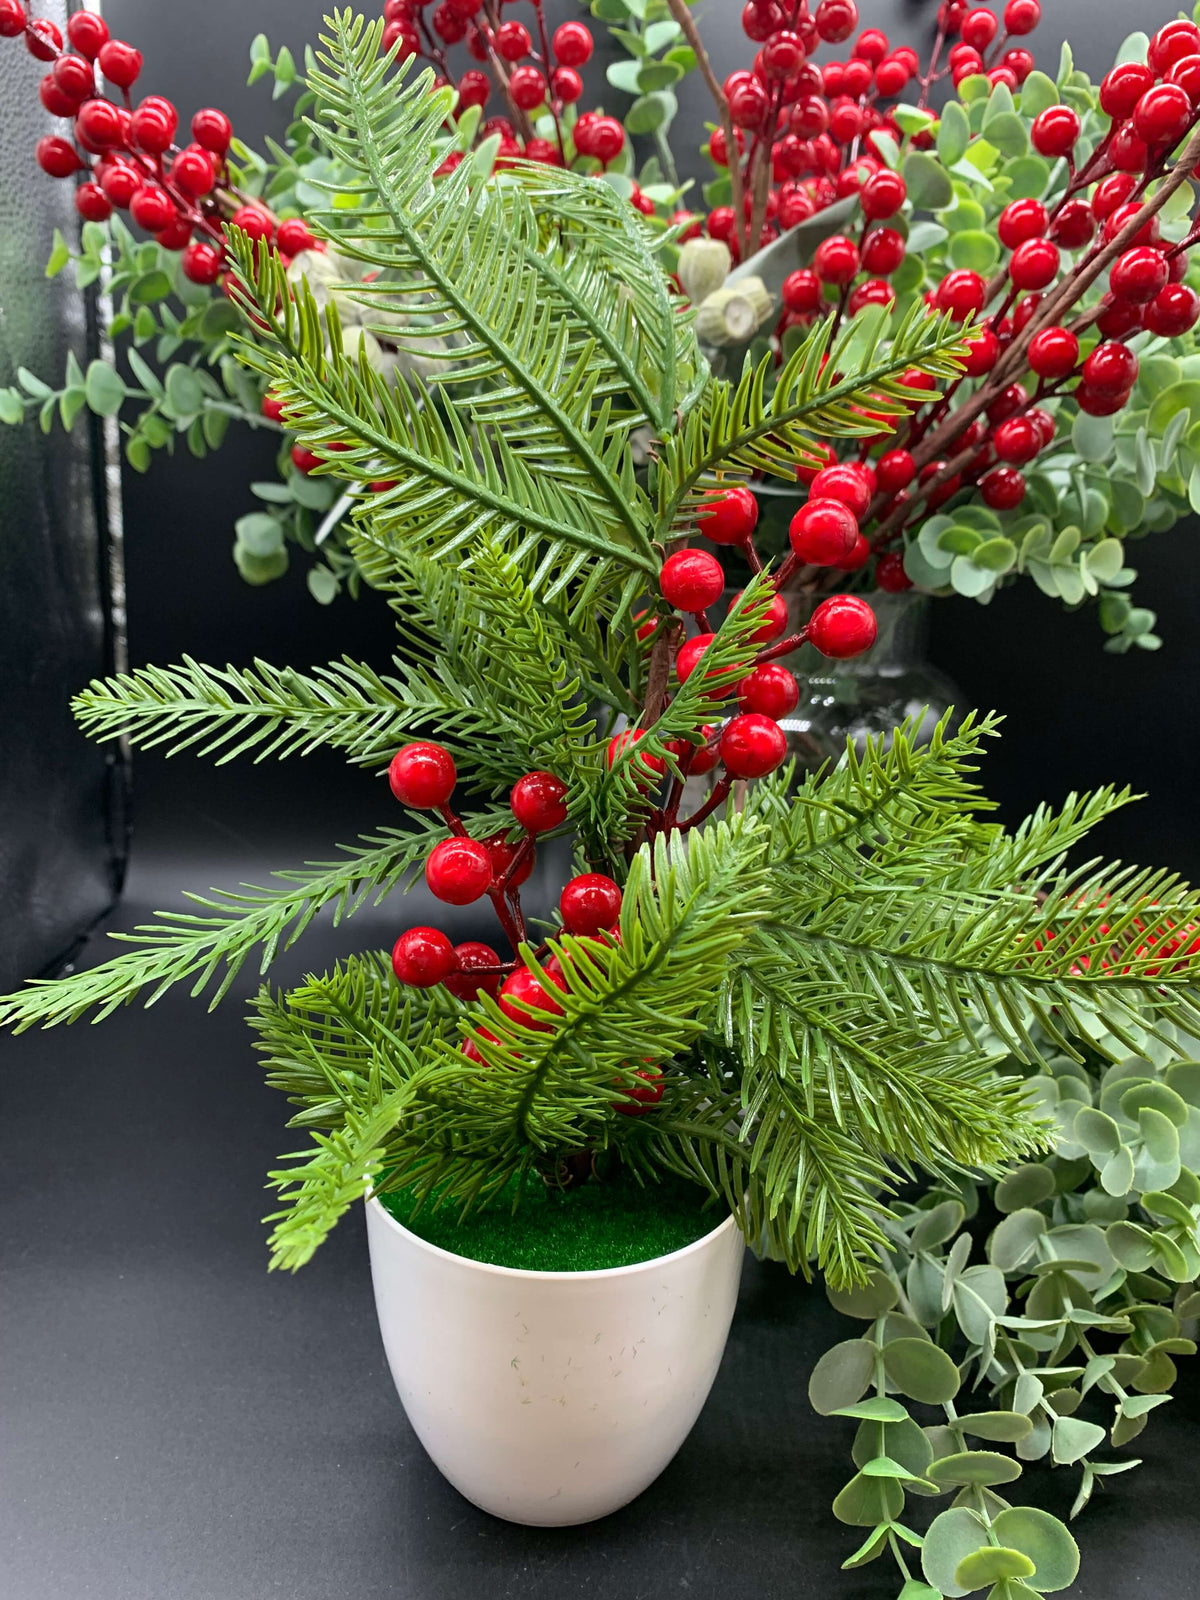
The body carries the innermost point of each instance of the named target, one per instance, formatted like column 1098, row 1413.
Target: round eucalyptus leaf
column 1015, row 1239
column 1009, row 135
column 897, row 1326
column 1027, row 177
column 937, row 1225
column 866, row 1300
column 1002, row 1427
column 991, row 1565
column 185, row 395
column 995, row 555
column 954, row 133
column 260, row 569
column 1158, row 1097
column 104, row 389
column 974, row 250
column 921, row 1370
column 952, row 1537
column 841, row 1376
column 929, row 186
column 323, row 585
column 1073, row 1438
column 259, row 534
column 866, row 1501
column 1184, row 1078
column 1045, row 1540
column 975, row 1466
column 1027, row 1186
column 1117, row 1172
column 1131, row 1245
column 651, row 111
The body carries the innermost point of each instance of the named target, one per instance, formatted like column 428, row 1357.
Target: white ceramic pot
column 552, row 1398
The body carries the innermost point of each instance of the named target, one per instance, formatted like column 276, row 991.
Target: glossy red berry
column 836, row 20
column 691, row 580
column 1021, row 220
column 783, row 54
column 12, row 19
column 503, row 854
column 120, row 63
column 253, row 221
column 1053, row 352
column 303, row 460
column 729, row 516
column 882, row 195
column 891, row 76
column 192, row 171
column 1186, row 73
column 1003, row 488
column 1122, row 88
column 151, row 130
column 458, row 871
column 422, row 775
column 74, row 76
column 87, row 33
column 1171, row 43
column 1110, row 369
column 760, row 19
column 212, row 130
column 979, row 28
column 521, row 990
column 606, row 139
column 1098, row 405
column 771, row 690
column 890, row 575
column 1174, row 310
column 1138, row 275
column 539, row 802
column 752, row 745
column 846, row 483
column 293, row 237
column 423, row 957
column 120, row 183
column 573, row 44
column 1017, row 441
column 895, row 471
column 1034, row 264
column 1162, row 114
column 1022, row 16
column 961, row 292
column 92, row 204
column 823, row 532
column 42, row 38
column 465, row 980
column 512, row 41
column 1054, row 131
column 842, row 626
column 748, row 104
column 527, row 87
column 58, row 158
column 55, row 100
column 983, row 351
column 1075, row 225
column 98, row 125
column 590, row 904
column 836, row 259
column 637, row 1100
column 201, row 262
column 883, row 250
column 802, row 291
column 152, row 208
column 1126, row 151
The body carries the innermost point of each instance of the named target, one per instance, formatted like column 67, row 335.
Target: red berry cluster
column 126, row 154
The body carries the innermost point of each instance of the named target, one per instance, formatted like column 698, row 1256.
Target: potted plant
column 789, row 999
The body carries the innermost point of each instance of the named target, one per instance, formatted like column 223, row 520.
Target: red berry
column 91, row 202
column 845, row 122
column 521, row 990
column 152, row 208
column 1045, row 425
column 151, row 130
column 539, row 802
column 42, row 38
column 590, row 904
column 890, row 574
column 1021, row 16
column 512, row 41
column 1162, row 114
column 448, row 23
column 1017, row 441
column 527, row 86
column 1003, row 488
column 961, row 293
column 783, row 54
column 212, row 130
column 823, row 532
column 1053, row 353
column 465, row 981
column 57, row 157
column 74, row 76
column 423, row 957
column 871, row 45
column 1173, row 311
column 771, row 690
column 1112, row 192
column 566, row 84
column 1171, row 43
column 98, row 126
column 253, row 221
column 638, row 1099
column 802, row 291
column 691, row 580
column 836, row 259
column 503, row 855
column 606, row 139
column 1054, row 131
column 87, row 32
column 748, row 104
column 1098, row 405
column 120, row 183
column 895, row 471
column 1110, row 369
column 836, row 20
column 201, row 262
column 422, row 775
column 303, row 460
column 176, row 233
column 728, row 517
column 1007, row 403
column 1138, row 275
column 760, row 19
column 883, row 251
column 192, row 171
column 1123, row 87
column 55, row 100
column 1126, row 151
column 1074, row 225
column 1186, row 73
column 983, row 351
column 458, row 871
column 842, row 626
column 1034, row 264
column 752, row 745
column 572, row 44
column 1021, row 220
column 120, row 63
column 874, row 292
column 846, row 483
column 12, row 19
column 1019, row 62
column 686, row 663
column 882, row 195
column 891, row 76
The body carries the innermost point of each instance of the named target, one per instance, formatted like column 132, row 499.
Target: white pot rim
column 591, row 1274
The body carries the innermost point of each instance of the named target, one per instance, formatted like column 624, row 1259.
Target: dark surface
column 60, row 840
column 178, row 1425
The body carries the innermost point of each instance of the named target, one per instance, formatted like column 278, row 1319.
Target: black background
column 178, row 1426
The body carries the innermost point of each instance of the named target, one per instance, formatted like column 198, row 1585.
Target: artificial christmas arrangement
column 785, row 999
column 974, row 180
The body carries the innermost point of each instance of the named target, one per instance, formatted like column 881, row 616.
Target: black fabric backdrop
column 177, row 1424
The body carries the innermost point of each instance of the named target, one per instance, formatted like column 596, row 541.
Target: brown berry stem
column 687, row 23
